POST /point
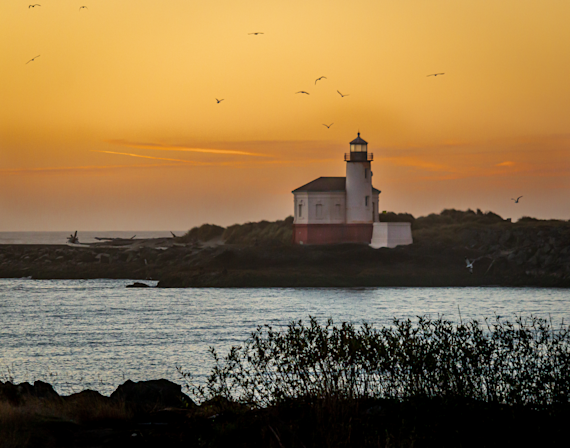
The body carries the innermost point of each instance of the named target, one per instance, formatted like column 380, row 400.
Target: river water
column 79, row 334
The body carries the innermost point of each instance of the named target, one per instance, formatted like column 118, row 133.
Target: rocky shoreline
column 157, row 413
column 527, row 253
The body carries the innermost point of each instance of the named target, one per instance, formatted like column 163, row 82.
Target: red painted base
column 332, row 233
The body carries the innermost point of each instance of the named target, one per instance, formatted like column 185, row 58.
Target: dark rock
column 138, row 285
column 15, row 393
column 152, row 395
column 87, row 397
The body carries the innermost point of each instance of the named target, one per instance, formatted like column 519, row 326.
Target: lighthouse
column 361, row 205
column 332, row 210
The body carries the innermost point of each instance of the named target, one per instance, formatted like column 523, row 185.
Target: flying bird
column 469, row 264
column 342, row 94
column 33, row 6
column 436, row 74
column 219, row 101
column 318, row 79
column 33, row 59
column 255, row 34
column 81, row 7
column 328, row 125
column 516, row 200
column 302, row 91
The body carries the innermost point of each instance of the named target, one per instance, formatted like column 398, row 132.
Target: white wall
column 358, row 187
column 320, row 208
column 391, row 234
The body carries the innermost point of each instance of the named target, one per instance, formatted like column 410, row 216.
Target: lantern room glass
column 358, row 148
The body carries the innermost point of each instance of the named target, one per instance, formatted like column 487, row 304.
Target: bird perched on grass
column 516, row 200
column 219, row 101
column 33, row 59
column 318, row 79
column 328, row 125
column 302, row 91
column 342, row 94
column 436, row 74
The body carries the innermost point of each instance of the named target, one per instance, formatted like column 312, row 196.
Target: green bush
column 452, row 216
column 263, row 232
column 205, row 232
column 396, row 217
column 526, row 362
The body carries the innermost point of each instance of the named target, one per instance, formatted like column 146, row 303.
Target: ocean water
column 79, row 334
column 84, row 236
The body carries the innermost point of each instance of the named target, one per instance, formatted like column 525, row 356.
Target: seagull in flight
column 318, row 79
column 436, row 74
column 328, row 125
column 219, row 101
column 516, row 200
column 81, row 7
column 342, row 94
column 302, row 91
column 33, row 59
column 469, row 264
column 33, row 6
column 255, row 34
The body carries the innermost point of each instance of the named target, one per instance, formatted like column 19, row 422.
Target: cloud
column 70, row 169
column 162, row 147
column 507, row 163
column 151, row 157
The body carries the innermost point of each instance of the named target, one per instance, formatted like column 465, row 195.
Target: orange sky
column 115, row 125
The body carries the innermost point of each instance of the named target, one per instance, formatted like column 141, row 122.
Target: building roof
column 324, row 184
column 358, row 141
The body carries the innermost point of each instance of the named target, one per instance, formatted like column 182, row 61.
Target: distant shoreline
column 232, row 266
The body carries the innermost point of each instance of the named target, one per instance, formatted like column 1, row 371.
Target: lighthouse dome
column 359, row 141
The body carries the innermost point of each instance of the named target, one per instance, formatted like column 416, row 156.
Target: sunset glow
column 116, row 125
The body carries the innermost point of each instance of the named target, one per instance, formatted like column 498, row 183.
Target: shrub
column 396, row 217
column 452, row 216
column 526, row 362
column 205, row 232
column 263, row 232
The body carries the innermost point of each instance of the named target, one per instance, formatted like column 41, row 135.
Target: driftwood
column 100, row 238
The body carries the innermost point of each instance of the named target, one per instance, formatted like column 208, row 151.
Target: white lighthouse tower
column 361, row 204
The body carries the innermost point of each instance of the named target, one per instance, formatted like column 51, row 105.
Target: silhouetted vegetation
column 250, row 233
column 276, row 232
column 205, row 232
column 526, row 362
column 396, row 217
column 452, row 216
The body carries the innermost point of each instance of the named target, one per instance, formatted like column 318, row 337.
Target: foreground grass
column 526, row 362
column 40, row 421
